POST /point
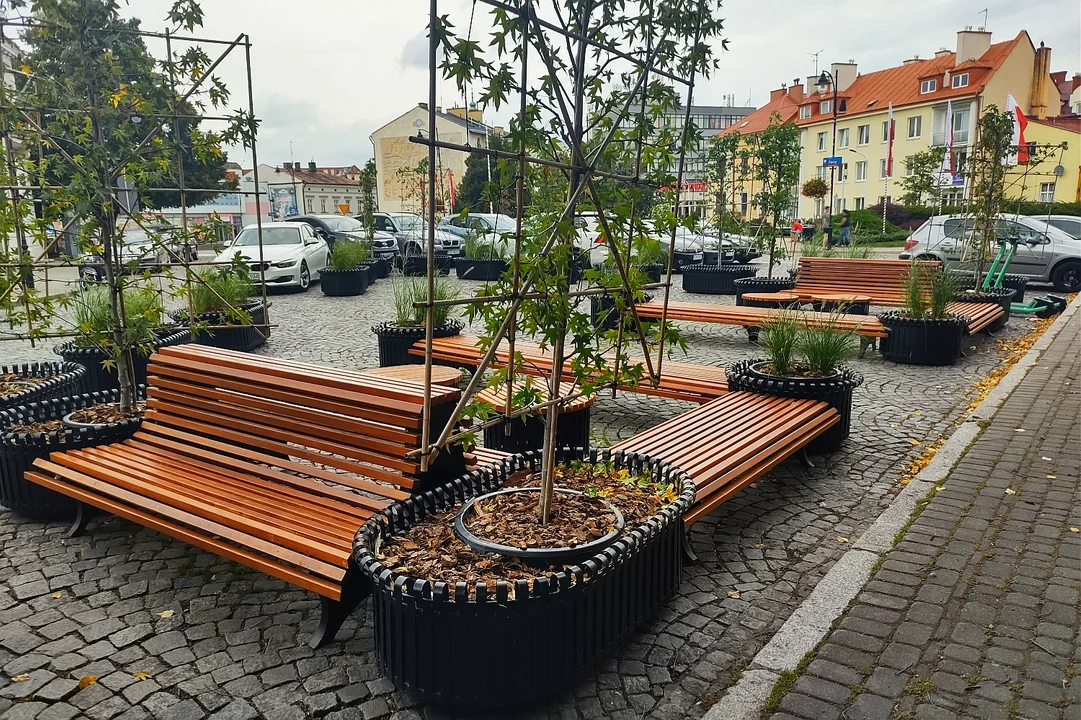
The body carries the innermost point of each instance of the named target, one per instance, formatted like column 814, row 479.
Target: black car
column 342, row 227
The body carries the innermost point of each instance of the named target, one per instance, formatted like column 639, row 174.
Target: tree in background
column 368, row 198
column 476, row 192
column 988, row 167
column 719, row 174
column 921, row 178
column 775, row 152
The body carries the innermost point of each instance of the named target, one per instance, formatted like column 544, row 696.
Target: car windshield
column 503, row 224
column 408, row 222
column 271, row 236
column 344, row 224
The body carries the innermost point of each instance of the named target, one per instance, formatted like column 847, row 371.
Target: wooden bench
column 732, row 441
column 679, row 381
column 882, row 280
column 270, row 463
column 978, row 316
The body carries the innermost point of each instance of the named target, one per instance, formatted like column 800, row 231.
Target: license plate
column 454, row 251
column 696, row 257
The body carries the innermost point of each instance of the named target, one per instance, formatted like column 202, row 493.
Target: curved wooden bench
column 679, row 381
column 979, row 316
column 270, row 463
column 882, row 280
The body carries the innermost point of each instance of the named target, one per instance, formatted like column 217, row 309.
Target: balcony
column 960, row 137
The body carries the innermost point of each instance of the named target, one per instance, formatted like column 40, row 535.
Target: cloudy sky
column 326, row 73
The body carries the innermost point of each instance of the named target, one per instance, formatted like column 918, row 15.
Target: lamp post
column 825, row 81
column 865, row 162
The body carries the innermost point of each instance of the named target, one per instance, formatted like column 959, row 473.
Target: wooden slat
column 165, row 520
column 865, row 325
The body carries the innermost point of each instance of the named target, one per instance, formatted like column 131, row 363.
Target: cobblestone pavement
column 218, row 639
column 974, row 613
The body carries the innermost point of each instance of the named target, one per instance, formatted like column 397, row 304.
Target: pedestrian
column 846, row 229
column 797, row 233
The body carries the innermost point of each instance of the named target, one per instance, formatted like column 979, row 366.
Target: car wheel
column 1067, row 277
column 926, row 256
column 305, row 277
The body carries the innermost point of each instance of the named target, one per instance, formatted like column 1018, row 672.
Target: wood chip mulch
column 105, row 413
column 12, row 383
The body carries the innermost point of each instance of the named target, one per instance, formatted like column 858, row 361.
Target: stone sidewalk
column 974, row 613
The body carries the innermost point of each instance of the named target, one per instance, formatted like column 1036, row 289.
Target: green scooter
column 1042, row 307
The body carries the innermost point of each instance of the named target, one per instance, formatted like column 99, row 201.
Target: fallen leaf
column 1011, row 491
column 56, row 595
column 1019, row 430
column 754, row 485
column 141, row 675
column 733, row 594
column 21, row 678
column 904, row 481
column 1050, row 477
column 1046, row 458
column 842, row 539
column 165, row 613
column 1075, row 529
column 917, row 413
column 87, row 681
column 913, row 442
column 759, row 546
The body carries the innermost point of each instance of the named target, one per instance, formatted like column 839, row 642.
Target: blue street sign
column 835, row 161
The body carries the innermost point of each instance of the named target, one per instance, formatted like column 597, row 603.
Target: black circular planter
column 1017, row 283
column 99, row 378
column 681, row 259
column 395, row 341
column 743, row 257
column 378, row 269
column 652, row 271
column 527, row 432
column 921, row 341
column 239, row 337
column 19, row 450
column 760, row 285
column 602, row 308
column 344, row 283
column 835, row 390
column 63, row 379
column 715, row 279
column 476, row 646
column 417, row 265
column 468, row 269
column 1001, row 296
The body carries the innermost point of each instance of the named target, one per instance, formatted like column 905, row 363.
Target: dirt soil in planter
column 11, row 383
column 105, row 413
column 511, row 520
column 794, row 371
column 44, row 427
column 432, row 549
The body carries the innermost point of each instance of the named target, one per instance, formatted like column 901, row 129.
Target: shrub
column 915, row 285
column 349, row 255
column 476, row 248
column 780, row 341
column 143, row 311
column 815, row 188
column 943, row 288
column 824, row 346
column 410, row 290
column 222, row 290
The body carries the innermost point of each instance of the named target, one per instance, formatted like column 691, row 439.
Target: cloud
column 414, row 55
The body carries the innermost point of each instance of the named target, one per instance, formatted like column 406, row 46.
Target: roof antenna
column 815, row 56
column 984, row 26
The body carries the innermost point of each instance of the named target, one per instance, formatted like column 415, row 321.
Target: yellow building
column 1056, row 175
column 971, row 78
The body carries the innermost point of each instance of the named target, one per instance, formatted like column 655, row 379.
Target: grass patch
column 787, row 681
column 855, row 692
column 919, row 688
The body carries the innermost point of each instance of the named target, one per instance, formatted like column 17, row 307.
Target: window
column 309, row 203
column 928, row 86
column 743, row 203
column 1047, row 192
column 843, row 173
column 959, row 81
column 820, row 207
column 805, row 112
column 322, row 204
column 886, row 131
column 838, row 205
column 863, row 135
column 960, row 126
column 826, row 106
column 882, row 168
column 820, row 172
column 910, row 166
column 860, row 203
column 822, row 142
column 861, row 171
column 915, row 126
column 842, row 138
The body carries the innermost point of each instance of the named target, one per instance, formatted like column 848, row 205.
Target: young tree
column 719, row 176
column 368, row 201
column 988, row 168
column 921, row 178
column 775, row 153
column 86, row 86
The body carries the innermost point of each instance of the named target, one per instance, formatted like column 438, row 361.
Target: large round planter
column 417, row 265
column 715, row 279
column 761, row 285
column 602, row 308
column 652, row 271
column 344, row 283
column 527, row 432
column 478, row 647
column 19, row 450
column 835, row 390
column 1017, row 283
column 378, row 269
column 395, row 341
column 921, row 341
column 63, row 379
column 99, row 378
column 1003, row 297
column 241, row 338
column 486, row 270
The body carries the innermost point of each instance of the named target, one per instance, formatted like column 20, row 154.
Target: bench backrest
column 882, row 280
column 347, row 422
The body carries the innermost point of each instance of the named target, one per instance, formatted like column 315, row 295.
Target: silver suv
column 1044, row 252
column 411, row 232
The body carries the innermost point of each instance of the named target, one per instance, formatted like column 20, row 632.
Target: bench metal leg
column 866, row 342
column 333, row 613
column 804, row 458
column 688, row 554
column 82, row 517
column 752, row 334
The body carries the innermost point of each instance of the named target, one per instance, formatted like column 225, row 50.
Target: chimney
column 422, row 106
column 844, row 74
column 476, row 115
column 913, row 59
column 1041, row 80
column 942, row 52
column 457, row 112
column 311, row 166
column 778, row 93
column 972, row 44
column 810, row 89
column 796, row 91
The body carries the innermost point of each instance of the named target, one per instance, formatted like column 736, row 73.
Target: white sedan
column 291, row 254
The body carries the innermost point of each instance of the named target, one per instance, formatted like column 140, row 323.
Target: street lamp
column 825, row 81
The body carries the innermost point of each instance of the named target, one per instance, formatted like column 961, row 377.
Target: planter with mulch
column 1002, row 297
column 99, row 378
column 486, row 270
column 417, row 265
column 509, row 632
column 836, row 390
column 394, row 340
column 34, row 431
column 241, row 337
column 761, row 285
column 922, row 341
column 22, row 384
column 344, row 283
column 715, row 279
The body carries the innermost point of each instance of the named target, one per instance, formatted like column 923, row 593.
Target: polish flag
column 450, row 180
column 889, row 136
column 1020, row 122
column 947, row 169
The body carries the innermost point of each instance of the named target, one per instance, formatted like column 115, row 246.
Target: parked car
column 139, row 251
column 1069, row 224
column 411, row 233
column 333, row 228
column 1044, row 252
column 292, row 254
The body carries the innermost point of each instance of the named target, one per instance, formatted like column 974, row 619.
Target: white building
column 296, row 191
